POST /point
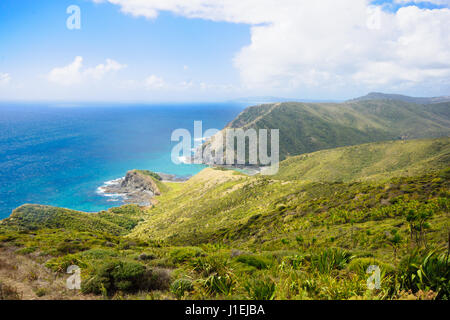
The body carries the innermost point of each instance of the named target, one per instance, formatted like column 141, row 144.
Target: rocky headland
column 138, row 186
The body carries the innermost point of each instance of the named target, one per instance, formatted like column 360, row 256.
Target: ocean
column 60, row 155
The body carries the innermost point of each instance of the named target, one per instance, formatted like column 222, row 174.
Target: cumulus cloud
column 99, row 71
column 154, row 82
column 438, row 2
column 5, row 79
column 327, row 43
column 74, row 73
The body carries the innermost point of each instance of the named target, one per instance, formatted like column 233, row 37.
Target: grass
column 259, row 209
column 310, row 127
column 372, row 161
column 224, row 235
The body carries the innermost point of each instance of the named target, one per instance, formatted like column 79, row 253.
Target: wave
column 107, row 184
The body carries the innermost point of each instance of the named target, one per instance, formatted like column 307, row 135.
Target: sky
column 219, row 50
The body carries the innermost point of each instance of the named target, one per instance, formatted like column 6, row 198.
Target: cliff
column 138, row 187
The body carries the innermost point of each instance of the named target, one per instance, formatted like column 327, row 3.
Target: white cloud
column 154, row 82
column 5, row 79
column 439, row 2
column 99, row 71
column 67, row 75
column 74, row 73
column 325, row 44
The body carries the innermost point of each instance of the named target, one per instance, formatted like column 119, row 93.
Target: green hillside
column 306, row 233
column 215, row 200
column 309, row 127
column 114, row 221
column 399, row 97
column 368, row 161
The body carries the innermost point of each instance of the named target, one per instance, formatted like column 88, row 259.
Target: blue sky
column 215, row 50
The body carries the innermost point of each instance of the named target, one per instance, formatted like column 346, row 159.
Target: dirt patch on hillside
column 22, row 277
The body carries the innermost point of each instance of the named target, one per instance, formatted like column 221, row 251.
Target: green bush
column 254, row 261
column 70, row 247
column 60, row 264
column 360, row 265
column 185, row 253
column 112, row 276
column 220, row 284
column 146, row 256
column 99, row 254
column 426, row 271
column 260, row 289
column 211, row 264
column 26, row 250
column 330, row 259
column 40, row 292
column 295, row 261
column 180, row 286
column 151, row 174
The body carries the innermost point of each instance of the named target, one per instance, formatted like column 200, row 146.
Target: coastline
column 117, row 190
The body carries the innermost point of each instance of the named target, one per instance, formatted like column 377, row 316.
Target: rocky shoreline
column 137, row 187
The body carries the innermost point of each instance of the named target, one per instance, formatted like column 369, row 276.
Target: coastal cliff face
column 137, row 187
column 135, row 181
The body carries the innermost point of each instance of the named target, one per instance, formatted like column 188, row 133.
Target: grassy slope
column 309, row 127
column 197, row 212
column 368, row 161
column 114, row 221
column 284, row 227
column 399, row 97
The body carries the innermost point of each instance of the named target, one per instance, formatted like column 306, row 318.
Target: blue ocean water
column 59, row 155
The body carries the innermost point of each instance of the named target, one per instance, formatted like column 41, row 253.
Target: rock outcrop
column 136, row 181
column 136, row 187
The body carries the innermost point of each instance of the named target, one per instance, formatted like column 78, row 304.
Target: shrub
column 185, row 253
column 70, row 247
column 127, row 276
column 156, row 279
column 260, row 289
column 330, row 259
column 112, row 276
column 220, row 284
column 146, row 256
column 180, row 286
column 426, row 271
column 300, row 240
column 254, row 261
column 151, row 174
column 99, row 254
column 360, row 265
column 26, row 250
column 61, row 264
column 40, row 292
column 212, row 264
column 295, row 261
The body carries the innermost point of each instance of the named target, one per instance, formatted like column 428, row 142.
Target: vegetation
column 373, row 161
column 302, row 234
column 309, row 127
column 399, row 97
column 152, row 174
